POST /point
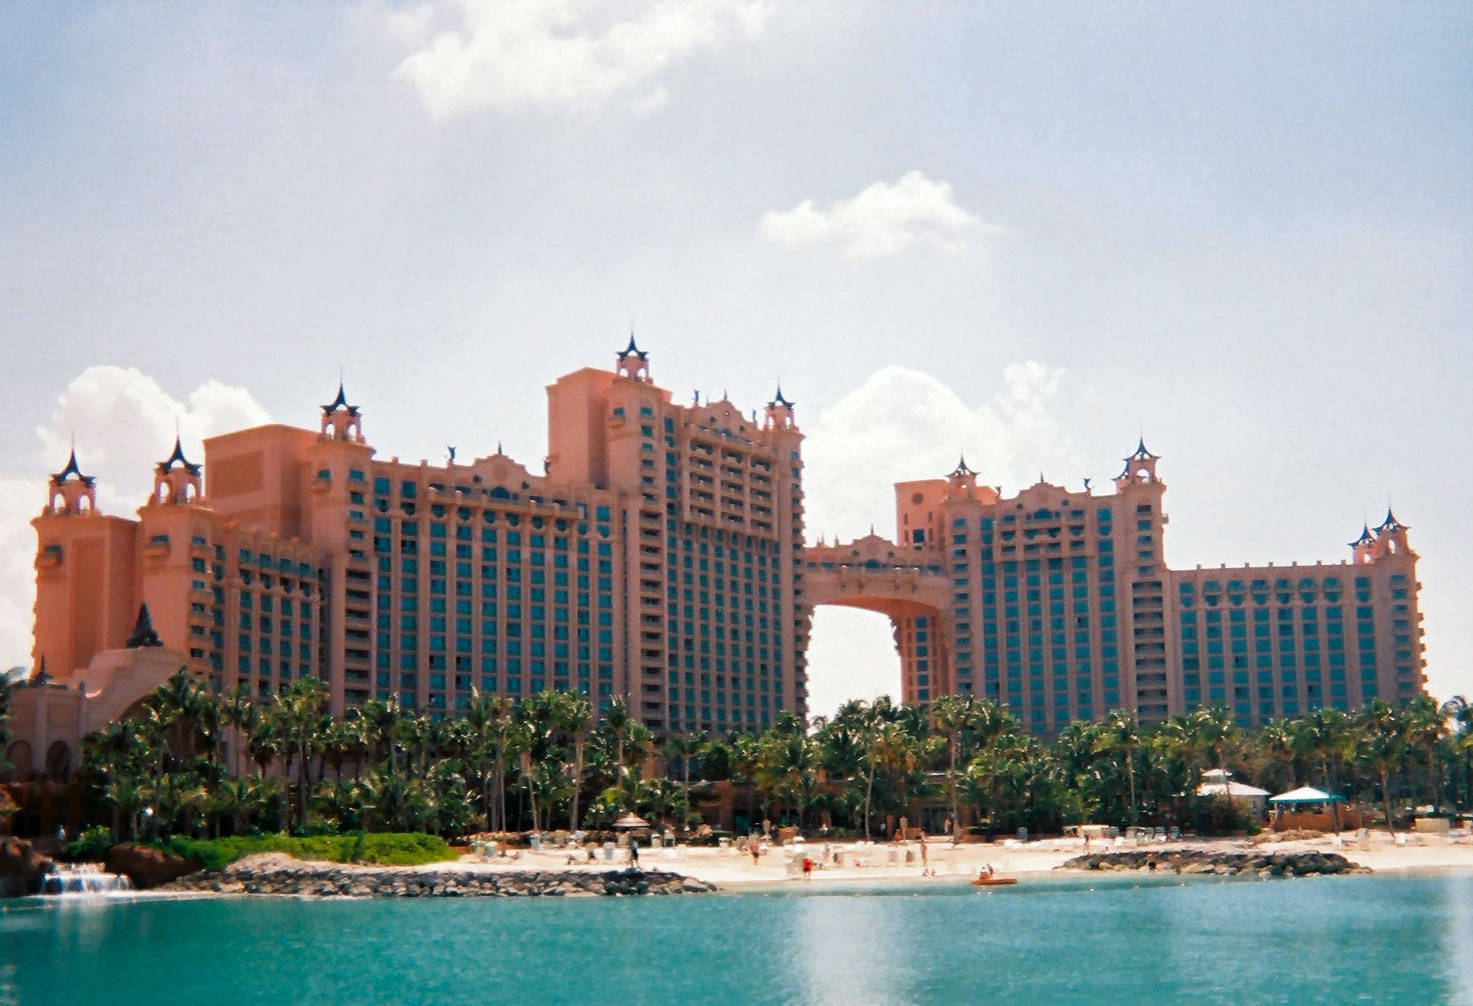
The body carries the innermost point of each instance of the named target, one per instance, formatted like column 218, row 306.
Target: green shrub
column 89, row 847
column 388, row 849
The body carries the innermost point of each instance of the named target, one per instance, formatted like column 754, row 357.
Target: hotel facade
column 659, row 555
column 1059, row 605
column 656, row 556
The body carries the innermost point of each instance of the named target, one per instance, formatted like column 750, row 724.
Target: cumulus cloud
column 882, row 221
column 123, row 422
column 559, row 55
column 902, row 424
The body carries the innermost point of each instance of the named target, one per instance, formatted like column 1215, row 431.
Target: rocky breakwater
column 1304, row 863
column 285, row 876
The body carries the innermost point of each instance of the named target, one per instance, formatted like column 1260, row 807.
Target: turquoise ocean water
column 1375, row 939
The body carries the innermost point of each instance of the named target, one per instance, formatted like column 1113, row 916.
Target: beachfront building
column 1058, row 604
column 655, row 555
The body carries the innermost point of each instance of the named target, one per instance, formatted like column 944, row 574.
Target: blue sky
column 1030, row 231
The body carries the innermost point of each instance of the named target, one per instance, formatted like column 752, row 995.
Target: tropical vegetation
column 193, row 764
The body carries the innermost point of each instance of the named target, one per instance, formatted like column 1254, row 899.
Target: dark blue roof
column 780, row 400
column 1365, row 536
column 1391, row 523
column 633, row 350
column 178, row 457
column 340, row 402
column 961, row 470
column 73, row 469
column 1141, row 454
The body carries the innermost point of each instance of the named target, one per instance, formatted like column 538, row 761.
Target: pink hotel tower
column 660, row 556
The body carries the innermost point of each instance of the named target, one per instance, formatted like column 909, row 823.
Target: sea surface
column 1375, row 939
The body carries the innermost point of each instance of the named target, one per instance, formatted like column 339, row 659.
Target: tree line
column 196, row 763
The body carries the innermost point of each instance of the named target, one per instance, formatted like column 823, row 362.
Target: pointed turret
column 780, row 412
column 1391, row 537
column 342, row 420
column 175, row 479
column 71, row 492
column 1140, row 466
column 633, row 362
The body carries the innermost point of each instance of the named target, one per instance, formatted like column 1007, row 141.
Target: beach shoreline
column 834, row 865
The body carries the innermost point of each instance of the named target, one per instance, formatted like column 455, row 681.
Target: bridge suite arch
column 874, row 574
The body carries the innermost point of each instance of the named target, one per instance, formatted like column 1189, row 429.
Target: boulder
column 21, row 868
column 148, row 868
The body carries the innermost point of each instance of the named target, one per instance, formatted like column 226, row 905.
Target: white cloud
column 902, row 424
column 123, row 423
column 559, row 55
column 882, row 221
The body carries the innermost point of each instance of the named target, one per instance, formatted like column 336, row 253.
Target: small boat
column 993, row 881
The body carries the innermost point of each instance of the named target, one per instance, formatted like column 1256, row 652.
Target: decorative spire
column 1390, row 523
column 340, row 402
column 167, row 465
column 778, row 399
column 72, row 468
column 143, row 632
column 1365, row 536
column 962, row 471
column 633, row 350
column 1141, row 454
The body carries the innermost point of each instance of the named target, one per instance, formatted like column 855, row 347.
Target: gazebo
column 1307, row 807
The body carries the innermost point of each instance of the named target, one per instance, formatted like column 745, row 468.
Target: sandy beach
column 730, row 868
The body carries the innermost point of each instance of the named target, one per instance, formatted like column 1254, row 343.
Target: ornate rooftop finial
column 1141, row 454
column 961, row 470
column 178, row 458
column 1365, row 535
column 340, row 402
column 632, row 349
column 1391, row 523
column 778, row 399
column 72, row 468
column 143, row 632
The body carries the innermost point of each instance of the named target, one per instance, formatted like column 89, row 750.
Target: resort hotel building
column 1058, row 604
column 658, row 554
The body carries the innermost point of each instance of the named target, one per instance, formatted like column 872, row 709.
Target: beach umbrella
column 629, row 821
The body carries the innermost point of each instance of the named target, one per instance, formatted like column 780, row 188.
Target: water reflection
column 848, row 949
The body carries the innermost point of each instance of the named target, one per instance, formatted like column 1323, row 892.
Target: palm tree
column 1383, row 744
column 1122, row 736
column 1426, row 726
column 573, row 714
column 298, row 710
column 952, row 713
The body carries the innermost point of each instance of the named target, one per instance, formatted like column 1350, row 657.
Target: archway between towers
column 873, row 574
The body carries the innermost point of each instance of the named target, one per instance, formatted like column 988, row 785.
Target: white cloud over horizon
column 903, row 424
column 559, row 55
column 123, row 423
column 882, row 221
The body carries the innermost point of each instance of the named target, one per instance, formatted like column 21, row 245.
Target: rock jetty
column 334, row 880
column 1226, row 864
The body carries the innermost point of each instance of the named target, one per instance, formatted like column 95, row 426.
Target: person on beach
column 756, row 849
column 633, row 852
column 807, row 868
